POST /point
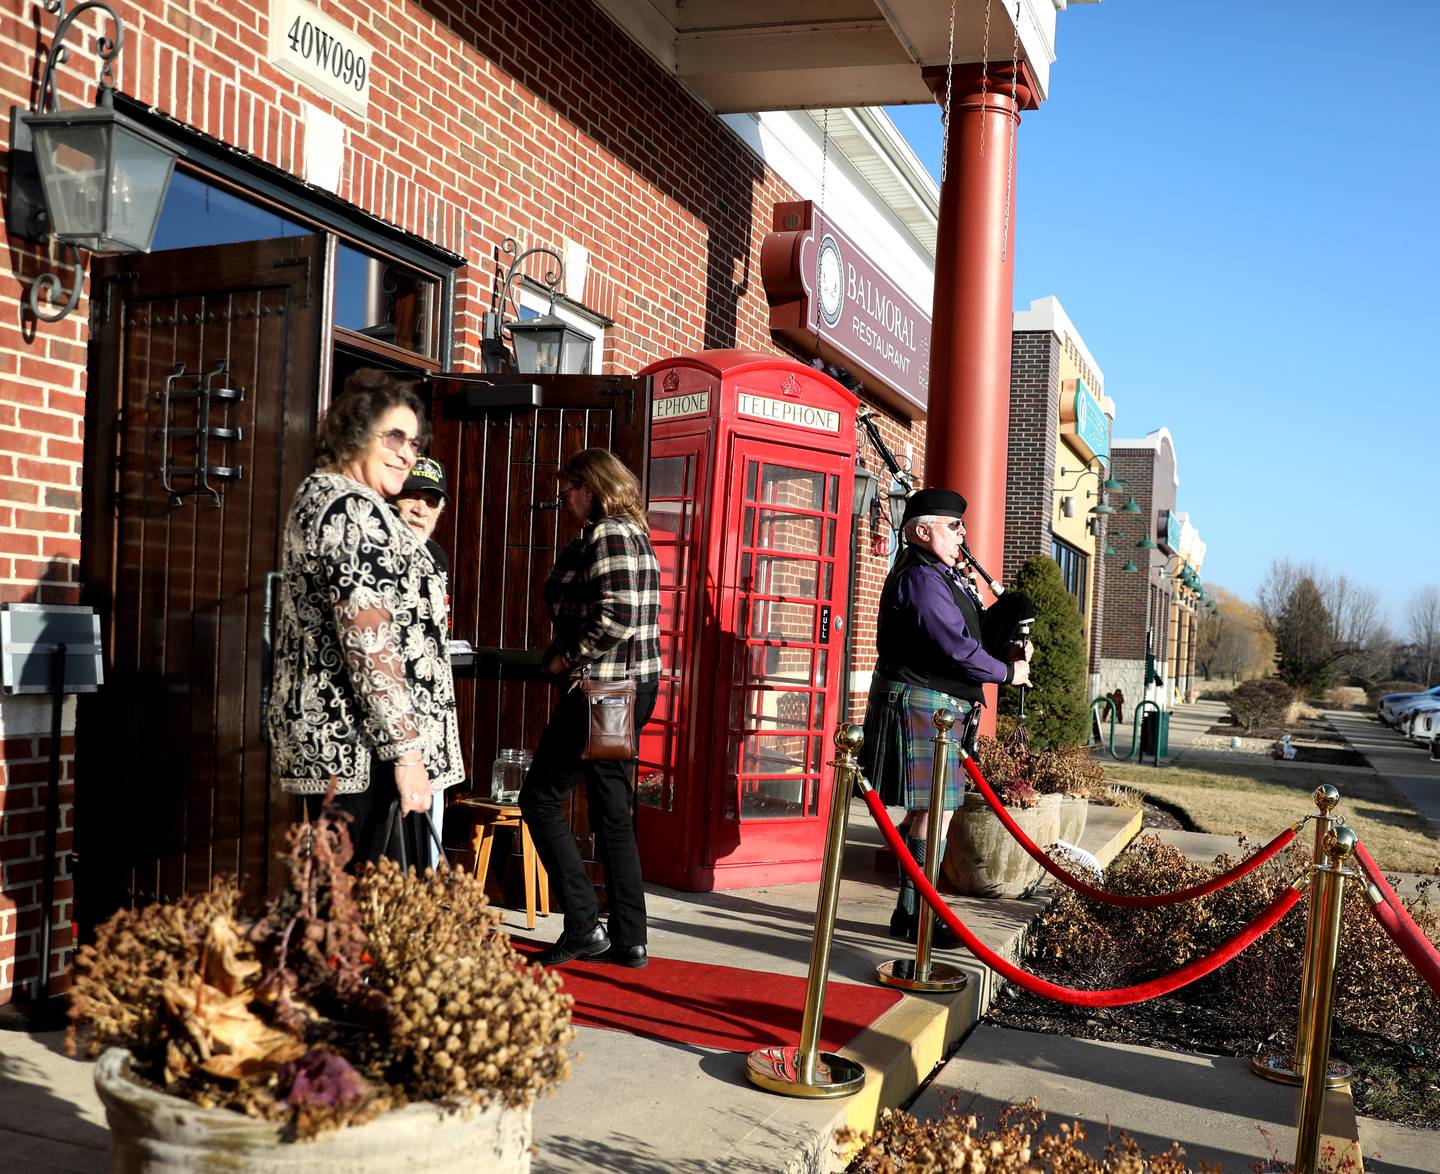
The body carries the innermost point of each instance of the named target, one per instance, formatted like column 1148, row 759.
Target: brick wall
column 487, row 119
column 1034, row 434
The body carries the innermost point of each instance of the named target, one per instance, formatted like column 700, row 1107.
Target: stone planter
column 153, row 1131
column 982, row 859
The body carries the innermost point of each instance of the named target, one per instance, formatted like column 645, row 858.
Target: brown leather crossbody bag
column 610, row 716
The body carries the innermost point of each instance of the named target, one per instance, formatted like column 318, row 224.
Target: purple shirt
column 924, row 629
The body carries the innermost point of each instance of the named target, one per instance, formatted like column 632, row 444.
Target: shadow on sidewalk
column 31, row 1112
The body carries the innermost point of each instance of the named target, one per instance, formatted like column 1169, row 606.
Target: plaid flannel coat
column 603, row 592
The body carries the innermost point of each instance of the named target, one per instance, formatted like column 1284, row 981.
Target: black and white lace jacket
column 362, row 660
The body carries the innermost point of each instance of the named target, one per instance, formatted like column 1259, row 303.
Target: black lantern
column 104, row 176
column 865, row 483
column 547, row 345
column 89, row 179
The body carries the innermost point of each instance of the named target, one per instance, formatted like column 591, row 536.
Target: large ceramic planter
column 1074, row 811
column 982, row 858
column 153, row 1131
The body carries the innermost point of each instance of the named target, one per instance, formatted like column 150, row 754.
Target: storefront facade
column 1060, row 460
column 316, row 223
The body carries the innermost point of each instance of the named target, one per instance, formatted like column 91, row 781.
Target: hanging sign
column 690, row 403
column 321, row 52
column 1170, row 531
column 1083, row 425
column 827, row 298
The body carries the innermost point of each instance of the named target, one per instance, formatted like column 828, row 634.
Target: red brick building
column 382, row 223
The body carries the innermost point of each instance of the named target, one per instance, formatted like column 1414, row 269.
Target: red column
column 968, row 429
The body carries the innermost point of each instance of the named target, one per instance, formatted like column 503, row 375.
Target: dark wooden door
column 200, row 418
column 503, row 443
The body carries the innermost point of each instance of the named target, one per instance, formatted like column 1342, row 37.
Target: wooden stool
column 488, row 817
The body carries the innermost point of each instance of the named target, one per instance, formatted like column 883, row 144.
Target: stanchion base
column 778, row 1070
column 900, row 972
column 1280, row 1068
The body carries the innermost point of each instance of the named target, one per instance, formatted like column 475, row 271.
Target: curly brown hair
column 367, row 395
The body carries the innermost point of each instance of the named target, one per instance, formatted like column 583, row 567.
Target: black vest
column 923, row 666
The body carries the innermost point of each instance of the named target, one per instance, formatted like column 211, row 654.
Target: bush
column 1376, row 692
column 1057, row 710
column 1261, row 703
column 1387, row 1020
column 1015, row 1146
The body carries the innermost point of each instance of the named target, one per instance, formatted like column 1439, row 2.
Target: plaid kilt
column 899, row 752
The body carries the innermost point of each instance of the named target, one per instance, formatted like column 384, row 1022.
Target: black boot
column 905, row 921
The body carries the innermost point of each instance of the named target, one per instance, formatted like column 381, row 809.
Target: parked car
column 1423, row 723
column 1393, row 706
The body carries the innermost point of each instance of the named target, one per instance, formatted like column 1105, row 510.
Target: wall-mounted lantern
column 90, row 179
column 547, row 345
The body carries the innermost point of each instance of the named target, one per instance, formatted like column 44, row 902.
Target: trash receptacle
column 1155, row 734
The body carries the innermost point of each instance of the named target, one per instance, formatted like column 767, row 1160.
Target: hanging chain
column 945, row 116
column 1014, row 126
column 984, row 77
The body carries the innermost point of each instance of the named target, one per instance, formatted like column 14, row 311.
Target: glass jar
column 507, row 774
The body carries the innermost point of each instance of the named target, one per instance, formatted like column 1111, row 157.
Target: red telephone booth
column 752, row 462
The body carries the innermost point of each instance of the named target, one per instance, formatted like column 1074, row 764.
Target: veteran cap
column 428, row 473
column 939, row 503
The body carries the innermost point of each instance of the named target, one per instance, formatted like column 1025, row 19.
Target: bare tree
column 1424, row 619
column 1232, row 641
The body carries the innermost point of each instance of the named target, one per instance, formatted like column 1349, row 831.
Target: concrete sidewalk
column 643, row 1106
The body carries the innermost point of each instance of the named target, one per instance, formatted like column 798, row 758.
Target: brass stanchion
column 920, row 973
column 806, row 1071
column 1276, row 1065
column 1327, row 893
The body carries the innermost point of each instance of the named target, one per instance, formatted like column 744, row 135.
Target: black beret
column 939, row 503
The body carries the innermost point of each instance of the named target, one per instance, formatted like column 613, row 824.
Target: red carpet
column 713, row 1006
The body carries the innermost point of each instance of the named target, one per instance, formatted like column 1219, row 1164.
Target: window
column 1074, row 566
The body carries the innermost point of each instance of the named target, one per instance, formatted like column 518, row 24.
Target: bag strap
column 396, row 822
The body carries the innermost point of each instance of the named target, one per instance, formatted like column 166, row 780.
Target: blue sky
column 1237, row 205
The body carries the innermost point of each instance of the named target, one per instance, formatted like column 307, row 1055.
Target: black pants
column 557, row 769
column 370, row 819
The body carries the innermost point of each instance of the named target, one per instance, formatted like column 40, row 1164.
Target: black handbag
column 396, row 824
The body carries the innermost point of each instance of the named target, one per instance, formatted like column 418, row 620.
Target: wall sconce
column 895, row 498
column 864, row 500
column 1067, row 506
column 90, row 179
column 547, row 345
column 1110, row 484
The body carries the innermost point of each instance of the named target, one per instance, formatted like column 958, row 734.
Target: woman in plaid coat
column 604, row 602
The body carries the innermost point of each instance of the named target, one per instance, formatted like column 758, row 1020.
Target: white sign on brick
column 308, row 45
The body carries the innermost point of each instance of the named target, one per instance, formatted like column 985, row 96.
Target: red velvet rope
column 1132, row 901
column 1116, row 997
column 1390, row 911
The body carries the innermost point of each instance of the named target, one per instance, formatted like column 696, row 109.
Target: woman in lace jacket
column 362, row 691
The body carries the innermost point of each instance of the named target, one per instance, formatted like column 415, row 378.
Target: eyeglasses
column 955, row 527
column 397, row 440
column 564, row 493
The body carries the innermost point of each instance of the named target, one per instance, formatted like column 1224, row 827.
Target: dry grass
column 1258, row 799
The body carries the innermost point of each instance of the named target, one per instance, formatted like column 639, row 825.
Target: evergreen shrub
column 1056, row 709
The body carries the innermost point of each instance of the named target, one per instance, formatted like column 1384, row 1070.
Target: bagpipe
column 1006, row 620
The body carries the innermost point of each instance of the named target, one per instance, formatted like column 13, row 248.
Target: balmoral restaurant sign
column 827, row 298
column 321, row 52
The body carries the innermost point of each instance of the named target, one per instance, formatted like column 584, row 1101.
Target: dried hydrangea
column 468, row 1015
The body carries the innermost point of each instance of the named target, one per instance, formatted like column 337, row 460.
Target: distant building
column 1147, row 646
column 1059, row 453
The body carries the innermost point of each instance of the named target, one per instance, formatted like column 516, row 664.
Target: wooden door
column 503, row 439
column 200, row 419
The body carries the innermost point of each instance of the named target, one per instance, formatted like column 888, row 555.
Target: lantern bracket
column 105, row 49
